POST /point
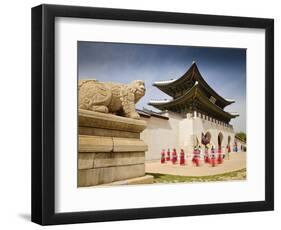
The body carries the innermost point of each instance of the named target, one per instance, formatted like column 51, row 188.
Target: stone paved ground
column 236, row 162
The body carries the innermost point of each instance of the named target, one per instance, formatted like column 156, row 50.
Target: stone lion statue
column 108, row 97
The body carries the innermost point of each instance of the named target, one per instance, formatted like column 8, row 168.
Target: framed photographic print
column 142, row 114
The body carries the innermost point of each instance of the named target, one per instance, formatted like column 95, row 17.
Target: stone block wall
column 110, row 149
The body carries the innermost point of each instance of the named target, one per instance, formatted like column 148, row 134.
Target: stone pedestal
column 110, row 150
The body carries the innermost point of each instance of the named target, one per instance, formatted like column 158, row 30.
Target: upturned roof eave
column 172, row 101
column 197, row 92
column 200, row 79
column 189, row 75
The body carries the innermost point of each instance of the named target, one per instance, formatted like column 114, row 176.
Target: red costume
column 168, row 155
column 196, row 157
column 219, row 156
column 194, row 153
column 213, row 157
column 174, row 156
column 182, row 160
column 163, row 156
column 206, row 157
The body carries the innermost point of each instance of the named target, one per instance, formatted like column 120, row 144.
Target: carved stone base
column 110, row 149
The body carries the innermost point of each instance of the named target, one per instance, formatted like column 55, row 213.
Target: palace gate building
column 194, row 116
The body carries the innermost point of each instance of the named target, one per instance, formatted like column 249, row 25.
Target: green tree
column 241, row 135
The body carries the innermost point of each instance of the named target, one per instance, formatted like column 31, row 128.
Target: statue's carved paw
column 134, row 116
column 100, row 108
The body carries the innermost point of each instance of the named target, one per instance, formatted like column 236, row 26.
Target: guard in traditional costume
column 174, row 156
column 223, row 152
column 206, row 156
column 163, row 156
column 182, row 157
column 235, row 149
column 228, row 152
column 194, row 153
column 196, row 156
column 213, row 157
column 219, row 156
column 168, row 158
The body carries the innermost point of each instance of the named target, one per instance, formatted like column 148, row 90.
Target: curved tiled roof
column 195, row 93
column 186, row 81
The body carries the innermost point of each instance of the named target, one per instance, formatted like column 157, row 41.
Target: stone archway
column 228, row 140
column 228, row 144
column 220, row 139
column 206, row 138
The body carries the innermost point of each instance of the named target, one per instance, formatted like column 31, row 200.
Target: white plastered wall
column 202, row 125
column 160, row 134
column 181, row 132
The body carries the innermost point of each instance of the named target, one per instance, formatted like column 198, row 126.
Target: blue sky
column 223, row 68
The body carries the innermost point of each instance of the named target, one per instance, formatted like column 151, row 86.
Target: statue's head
column 139, row 88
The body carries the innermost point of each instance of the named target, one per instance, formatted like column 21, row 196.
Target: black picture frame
column 43, row 114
